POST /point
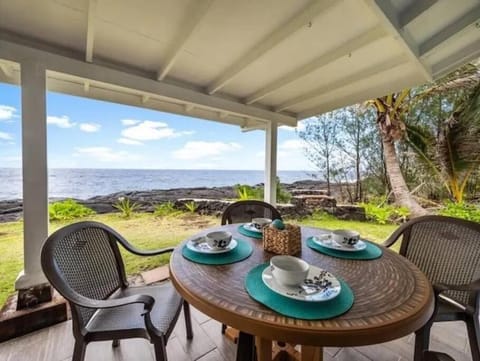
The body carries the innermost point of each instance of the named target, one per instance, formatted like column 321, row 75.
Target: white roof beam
column 92, row 8
column 189, row 108
column 468, row 53
column 86, row 86
column 13, row 51
column 414, row 11
column 325, row 59
column 329, row 88
column 449, row 31
column 285, row 30
column 145, row 98
column 387, row 14
column 195, row 14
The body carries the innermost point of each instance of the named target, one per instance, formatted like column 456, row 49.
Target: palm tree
column 392, row 128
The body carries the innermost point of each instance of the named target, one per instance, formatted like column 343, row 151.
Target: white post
column 35, row 172
column 270, row 194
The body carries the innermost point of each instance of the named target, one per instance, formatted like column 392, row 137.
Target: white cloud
column 200, row 149
column 293, row 144
column 7, row 112
column 90, row 127
column 129, row 141
column 5, row 136
column 129, row 122
column 151, row 130
column 62, row 122
column 104, row 154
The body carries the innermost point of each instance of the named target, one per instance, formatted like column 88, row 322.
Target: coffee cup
column 260, row 223
column 288, row 270
column 218, row 240
column 346, row 237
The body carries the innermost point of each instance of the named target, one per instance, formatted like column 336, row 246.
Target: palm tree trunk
column 397, row 182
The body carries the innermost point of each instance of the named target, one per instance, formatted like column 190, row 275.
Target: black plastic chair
column 244, row 211
column 83, row 262
column 447, row 250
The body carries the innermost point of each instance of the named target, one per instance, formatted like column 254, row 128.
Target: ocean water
column 86, row 183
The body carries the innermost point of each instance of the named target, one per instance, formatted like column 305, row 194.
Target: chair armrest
column 472, row 287
column 394, row 237
column 129, row 247
column 80, row 300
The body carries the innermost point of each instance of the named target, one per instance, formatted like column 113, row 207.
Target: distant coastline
column 83, row 183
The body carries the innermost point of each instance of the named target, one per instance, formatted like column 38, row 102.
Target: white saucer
column 250, row 227
column 312, row 290
column 200, row 245
column 327, row 242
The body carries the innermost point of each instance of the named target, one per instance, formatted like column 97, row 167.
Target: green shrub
column 245, row 192
column 385, row 213
column 462, row 210
column 126, row 207
column 191, row 206
column 68, row 209
column 166, row 209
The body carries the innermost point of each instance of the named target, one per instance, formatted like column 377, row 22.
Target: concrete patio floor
column 56, row 344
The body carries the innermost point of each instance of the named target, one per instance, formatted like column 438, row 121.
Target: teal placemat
column 242, row 251
column 248, row 233
column 294, row 308
column 371, row 252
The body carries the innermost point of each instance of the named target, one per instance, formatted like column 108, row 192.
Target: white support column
column 35, row 172
column 270, row 194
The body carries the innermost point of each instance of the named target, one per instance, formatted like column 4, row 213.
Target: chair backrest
column 83, row 259
column 244, row 211
column 446, row 249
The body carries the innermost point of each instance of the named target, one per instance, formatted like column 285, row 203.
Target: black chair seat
column 166, row 308
column 437, row 356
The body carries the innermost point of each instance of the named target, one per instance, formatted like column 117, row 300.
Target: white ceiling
column 242, row 62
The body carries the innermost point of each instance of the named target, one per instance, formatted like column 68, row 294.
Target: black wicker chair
column 244, row 211
column 83, row 262
column 447, row 250
column 436, row 356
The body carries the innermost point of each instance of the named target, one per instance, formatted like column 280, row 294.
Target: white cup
column 346, row 237
column 288, row 270
column 260, row 223
column 218, row 240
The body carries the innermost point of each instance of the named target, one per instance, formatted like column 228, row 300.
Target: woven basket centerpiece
column 286, row 241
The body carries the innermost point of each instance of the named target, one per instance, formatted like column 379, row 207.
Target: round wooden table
column 392, row 297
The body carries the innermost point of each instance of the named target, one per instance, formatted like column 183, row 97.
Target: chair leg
column 473, row 330
column 245, row 347
column 160, row 350
column 115, row 343
column 422, row 341
column 188, row 320
column 224, row 328
column 79, row 350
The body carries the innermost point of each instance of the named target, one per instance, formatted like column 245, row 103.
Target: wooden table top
column 392, row 296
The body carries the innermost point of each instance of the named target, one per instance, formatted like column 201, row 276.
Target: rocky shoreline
column 307, row 196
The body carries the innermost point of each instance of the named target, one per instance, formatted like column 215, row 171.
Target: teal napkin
column 243, row 250
column 295, row 308
column 371, row 252
column 248, row 233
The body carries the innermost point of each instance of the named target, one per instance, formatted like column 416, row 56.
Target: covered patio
column 257, row 65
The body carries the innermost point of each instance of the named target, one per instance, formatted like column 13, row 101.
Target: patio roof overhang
column 255, row 64
column 238, row 62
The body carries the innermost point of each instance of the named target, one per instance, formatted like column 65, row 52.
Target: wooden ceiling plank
column 325, row 59
column 281, row 33
column 195, row 14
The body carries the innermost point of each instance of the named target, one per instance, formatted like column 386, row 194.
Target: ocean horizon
column 83, row 183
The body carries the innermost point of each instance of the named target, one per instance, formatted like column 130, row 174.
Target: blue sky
column 85, row 133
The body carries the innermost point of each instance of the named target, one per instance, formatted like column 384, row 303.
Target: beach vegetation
column 166, row 209
column 245, row 192
column 462, row 210
column 67, row 210
column 191, row 206
column 126, row 207
column 384, row 213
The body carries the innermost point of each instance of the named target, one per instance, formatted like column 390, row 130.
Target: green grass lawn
column 146, row 231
